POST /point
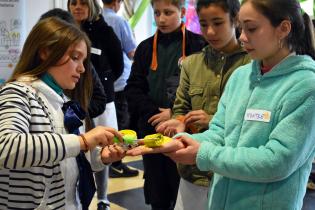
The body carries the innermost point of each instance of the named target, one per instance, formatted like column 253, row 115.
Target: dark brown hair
column 177, row 3
column 230, row 6
column 301, row 37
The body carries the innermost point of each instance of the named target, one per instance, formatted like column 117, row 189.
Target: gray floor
column 134, row 200
column 309, row 201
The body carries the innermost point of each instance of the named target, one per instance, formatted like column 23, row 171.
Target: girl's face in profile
column 167, row 16
column 69, row 68
column 217, row 28
column 260, row 38
column 79, row 9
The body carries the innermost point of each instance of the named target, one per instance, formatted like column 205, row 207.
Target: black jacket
column 141, row 106
column 98, row 100
column 108, row 59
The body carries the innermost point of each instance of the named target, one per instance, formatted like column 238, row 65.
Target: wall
column 34, row 9
column 145, row 27
column 12, row 35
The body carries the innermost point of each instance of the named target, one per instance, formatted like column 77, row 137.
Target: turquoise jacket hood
column 288, row 65
column 260, row 143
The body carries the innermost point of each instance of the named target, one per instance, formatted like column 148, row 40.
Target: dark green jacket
column 202, row 81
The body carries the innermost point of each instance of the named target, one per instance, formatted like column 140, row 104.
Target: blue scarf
column 73, row 116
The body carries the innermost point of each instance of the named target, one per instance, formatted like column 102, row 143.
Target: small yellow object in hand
column 155, row 140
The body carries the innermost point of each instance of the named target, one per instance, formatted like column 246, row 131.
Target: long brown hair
column 56, row 36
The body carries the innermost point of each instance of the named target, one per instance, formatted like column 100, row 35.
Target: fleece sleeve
column 291, row 143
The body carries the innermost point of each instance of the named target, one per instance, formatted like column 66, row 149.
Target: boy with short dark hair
column 154, row 77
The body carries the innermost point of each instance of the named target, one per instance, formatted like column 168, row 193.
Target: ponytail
column 307, row 42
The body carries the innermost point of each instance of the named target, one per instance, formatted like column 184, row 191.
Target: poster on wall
column 12, row 29
column 192, row 20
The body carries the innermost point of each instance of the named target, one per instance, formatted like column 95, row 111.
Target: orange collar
column 154, row 63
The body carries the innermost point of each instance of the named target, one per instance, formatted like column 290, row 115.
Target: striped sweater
column 30, row 150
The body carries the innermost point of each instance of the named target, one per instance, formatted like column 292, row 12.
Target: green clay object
column 116, row 139
column 129, row 137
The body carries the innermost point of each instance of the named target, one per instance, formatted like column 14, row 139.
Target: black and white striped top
column 30, row 151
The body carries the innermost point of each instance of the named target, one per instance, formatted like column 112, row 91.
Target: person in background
column 98, row 99
column 154, row 74
column 203, row 78
column 124, row 33
column 107, row 58
column 261, row 142
column 33, row 134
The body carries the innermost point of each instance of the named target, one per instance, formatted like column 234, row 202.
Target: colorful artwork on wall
column 192, row 22
column 11, row 31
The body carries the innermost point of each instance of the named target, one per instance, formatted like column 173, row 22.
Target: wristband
column 180, row 118
column 85, row 143
column 190, row 128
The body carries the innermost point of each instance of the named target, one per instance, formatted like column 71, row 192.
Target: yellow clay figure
column 155, row 140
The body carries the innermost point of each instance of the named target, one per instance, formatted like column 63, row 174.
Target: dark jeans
column 122, row 110
column 122, row 114
column 161, row 181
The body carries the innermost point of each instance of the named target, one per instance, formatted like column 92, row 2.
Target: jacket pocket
column 196, row 97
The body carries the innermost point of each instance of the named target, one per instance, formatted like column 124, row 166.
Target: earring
column 280, row 44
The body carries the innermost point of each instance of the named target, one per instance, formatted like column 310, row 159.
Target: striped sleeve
column 19, row 146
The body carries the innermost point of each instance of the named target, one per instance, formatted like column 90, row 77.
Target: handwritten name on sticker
column 258, row 115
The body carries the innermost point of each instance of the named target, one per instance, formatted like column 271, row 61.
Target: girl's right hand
column 188, row 153
column 99, row 136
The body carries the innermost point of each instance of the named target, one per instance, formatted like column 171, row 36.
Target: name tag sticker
column 96, row 51
column 258, row 115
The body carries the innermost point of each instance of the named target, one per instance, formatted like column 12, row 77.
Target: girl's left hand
column 186, row 155
column 112, row 153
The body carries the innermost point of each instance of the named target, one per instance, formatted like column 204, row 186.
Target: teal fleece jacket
column 260, row 143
